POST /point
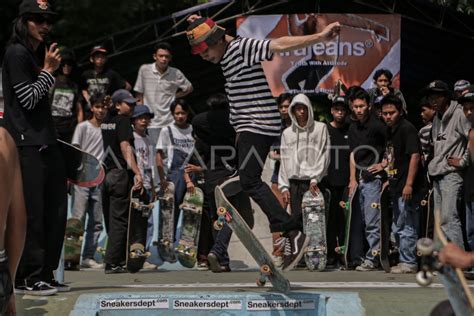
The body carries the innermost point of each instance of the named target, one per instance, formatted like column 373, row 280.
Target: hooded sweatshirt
column 449, row 136
column 305, row 151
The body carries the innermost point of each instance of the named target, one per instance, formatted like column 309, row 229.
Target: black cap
column 437, row 86
column 36, row 7
column 467, row 95
column 339, row 100
column 98, row 49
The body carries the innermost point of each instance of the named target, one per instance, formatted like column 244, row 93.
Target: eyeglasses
column 40, row 19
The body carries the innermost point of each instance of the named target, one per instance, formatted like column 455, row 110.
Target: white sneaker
column 149, row 266
column 91, row 264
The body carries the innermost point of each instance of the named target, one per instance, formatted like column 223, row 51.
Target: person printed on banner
column 66, row 106
column 405, row 179
column 121, row 175
column 88, row 137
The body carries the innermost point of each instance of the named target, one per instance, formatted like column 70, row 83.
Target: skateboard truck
column 223, row 217
column 137, row 251
column 265, row 272
column 425, row 249
column 144, row 208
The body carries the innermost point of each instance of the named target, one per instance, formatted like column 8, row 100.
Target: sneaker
column 91, row 264
column 61, row 287
column 278, row 249
column 38, row 289
column 114, row 268
column 404, row 268
column 203, row 266
column 149, row 266
column 294, row 249
column 214, row 264
column 367, row 265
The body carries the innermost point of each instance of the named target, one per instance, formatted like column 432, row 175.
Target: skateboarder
column 12, row 220
column 404, row 173
column 122, row 174
column 367, row 142
column 305, row 155
column 88, row 137
column 255, row 114
column 337, row 178
column 449, row 135
column 27, row 78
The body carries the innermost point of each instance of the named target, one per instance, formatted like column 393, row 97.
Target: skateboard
column 427, row 214
column 385, row 223
column 314, row 226
column 82, row 169
column 140, row 209
column 73, row 243
column 191, row 209
column 346, row 205
column 227, row 214
column 166, row 226
column 455, row 284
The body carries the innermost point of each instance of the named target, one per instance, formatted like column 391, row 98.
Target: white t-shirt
column 89, row 138
column 159, row 90
column 145, row 158
column 182, row 138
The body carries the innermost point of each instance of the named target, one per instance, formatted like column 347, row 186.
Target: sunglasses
column 40, row 19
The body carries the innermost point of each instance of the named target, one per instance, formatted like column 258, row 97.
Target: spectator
column 383, row 81
column 459, row 87
column 427, row 116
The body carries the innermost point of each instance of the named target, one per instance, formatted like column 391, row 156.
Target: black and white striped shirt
column 252, row 106
column 29, row 94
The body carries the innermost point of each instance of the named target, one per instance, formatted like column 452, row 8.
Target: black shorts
column 6, row 286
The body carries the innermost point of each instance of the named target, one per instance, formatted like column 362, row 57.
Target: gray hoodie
column 450, row 136
column 305, row 151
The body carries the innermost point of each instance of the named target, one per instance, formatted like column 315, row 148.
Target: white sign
column 150, row 303
column 261, row 305
column 207, row 304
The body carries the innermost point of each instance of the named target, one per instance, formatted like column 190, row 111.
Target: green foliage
column 464, row 6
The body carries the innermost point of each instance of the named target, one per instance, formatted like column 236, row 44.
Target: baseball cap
column 436, row 86
column 141, row 109
column 339, row 100
column 36, row 7
column 202, row 33
column 98, row 49
column 460, row 85
column 467, row 94
column 123, row 95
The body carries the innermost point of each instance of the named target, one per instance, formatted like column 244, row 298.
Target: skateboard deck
column 230, row 216
column 73, row 243
column 82, row 169
column 166, row 226
column 191, row 209
column 140, row 209
column 314, row 226
column 346, row 205
column 455, row 284
column 385, row 223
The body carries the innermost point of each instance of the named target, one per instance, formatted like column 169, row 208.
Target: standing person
column 403, row 152
column 66, row 106
column 383, row 86
column 122, row 174
column 88, row 137
column 367, row 142
column 145, row 153
column 12, row 220
column 254, row 113
column 27, row 78
column 449, row 135
column 305, row 157
column 100, row 79
column 175, row 144
column 337, row 178
column 158, row 85
column 427, row 115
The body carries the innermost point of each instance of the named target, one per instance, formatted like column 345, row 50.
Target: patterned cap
column 202, row 33
column 36, row 7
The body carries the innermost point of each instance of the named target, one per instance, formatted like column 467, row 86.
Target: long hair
column 20, row 36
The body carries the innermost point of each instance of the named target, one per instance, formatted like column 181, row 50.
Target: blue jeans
column 405, row 227
column 369, row 192
column 470, row 224
column 88, row 201
column 447, row 192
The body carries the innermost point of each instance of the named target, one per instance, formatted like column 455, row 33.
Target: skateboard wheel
column 147, row 254
column 375, row 253
column 374, row 205
column 425, row 247
column 342, row 204
column 424, row 202
column 221, row 211
column 265, row 269
column 133, row 255
column 424, row 278
column 218, row 225
column 260, row 282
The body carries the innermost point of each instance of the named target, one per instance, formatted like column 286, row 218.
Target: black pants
column 45, row 190
column 6, row 287
column 115, row 205
column 336, row 220
column 297, row 189
column 253, row 150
